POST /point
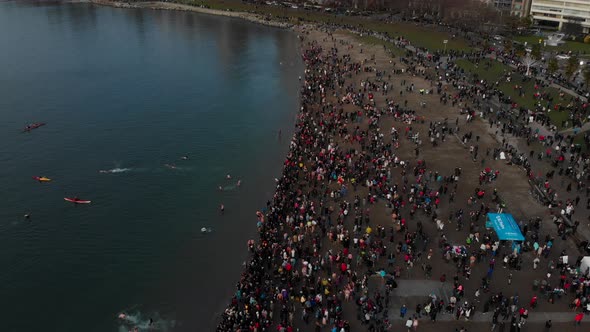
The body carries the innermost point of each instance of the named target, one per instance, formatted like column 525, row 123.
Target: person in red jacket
column 579, row 317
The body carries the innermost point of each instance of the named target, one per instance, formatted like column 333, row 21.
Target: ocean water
column 129, row 92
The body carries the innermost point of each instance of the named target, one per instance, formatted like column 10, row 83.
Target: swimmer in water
column 184, row 157
column 151, row 322
column 220, row 188
column 28, row 216
column 228, row 177
column 122, row 316
column 103, row 171
column 171, row 166
column 221, row 208
column 239, row 183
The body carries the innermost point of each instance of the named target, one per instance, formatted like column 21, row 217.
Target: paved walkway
column 585, row 127
column 409, row 288
column 581, row 214
column 480, row 317
column 424, row 287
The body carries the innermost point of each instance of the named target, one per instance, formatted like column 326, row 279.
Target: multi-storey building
column 502, row 5
column 521, row 8
column 555, row 13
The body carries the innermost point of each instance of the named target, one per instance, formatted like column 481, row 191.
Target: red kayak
column 76, row 200
column 33, row 126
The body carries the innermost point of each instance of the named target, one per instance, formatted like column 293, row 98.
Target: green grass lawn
column 557, row 117
column 418, row 36
column 491, row 74
column 579, row 139
column 495, row 73
column 529, row 101
column 370, row 40
column 578, row 47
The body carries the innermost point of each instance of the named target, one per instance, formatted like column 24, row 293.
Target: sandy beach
column 156, row 5
column 391, row 166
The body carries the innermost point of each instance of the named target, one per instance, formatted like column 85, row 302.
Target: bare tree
column 528, row 61
column 399, row 6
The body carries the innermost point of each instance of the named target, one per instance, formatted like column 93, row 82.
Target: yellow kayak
column 41, row 178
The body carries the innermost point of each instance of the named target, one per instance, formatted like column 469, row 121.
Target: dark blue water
column 134, row 90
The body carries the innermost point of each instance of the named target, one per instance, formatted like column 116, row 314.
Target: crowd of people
column 321, row 248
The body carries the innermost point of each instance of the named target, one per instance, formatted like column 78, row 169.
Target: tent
column 505, row 226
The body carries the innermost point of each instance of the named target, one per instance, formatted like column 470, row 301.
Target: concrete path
column 480, row 317
column 410, row 288
column 424, row 287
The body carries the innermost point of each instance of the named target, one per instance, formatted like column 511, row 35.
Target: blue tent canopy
column 505, row 226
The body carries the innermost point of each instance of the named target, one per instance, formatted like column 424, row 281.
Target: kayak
column 41, row 178
column 33, row 126
column 76, row 200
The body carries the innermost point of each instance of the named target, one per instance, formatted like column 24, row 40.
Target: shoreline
column 156, row 5
column 270, row 269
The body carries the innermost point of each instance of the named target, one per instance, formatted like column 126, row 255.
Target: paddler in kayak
column 76, row 200
column 42, row 178
column 32, row 126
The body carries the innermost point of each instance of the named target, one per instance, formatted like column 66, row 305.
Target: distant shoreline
column 157, row 5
